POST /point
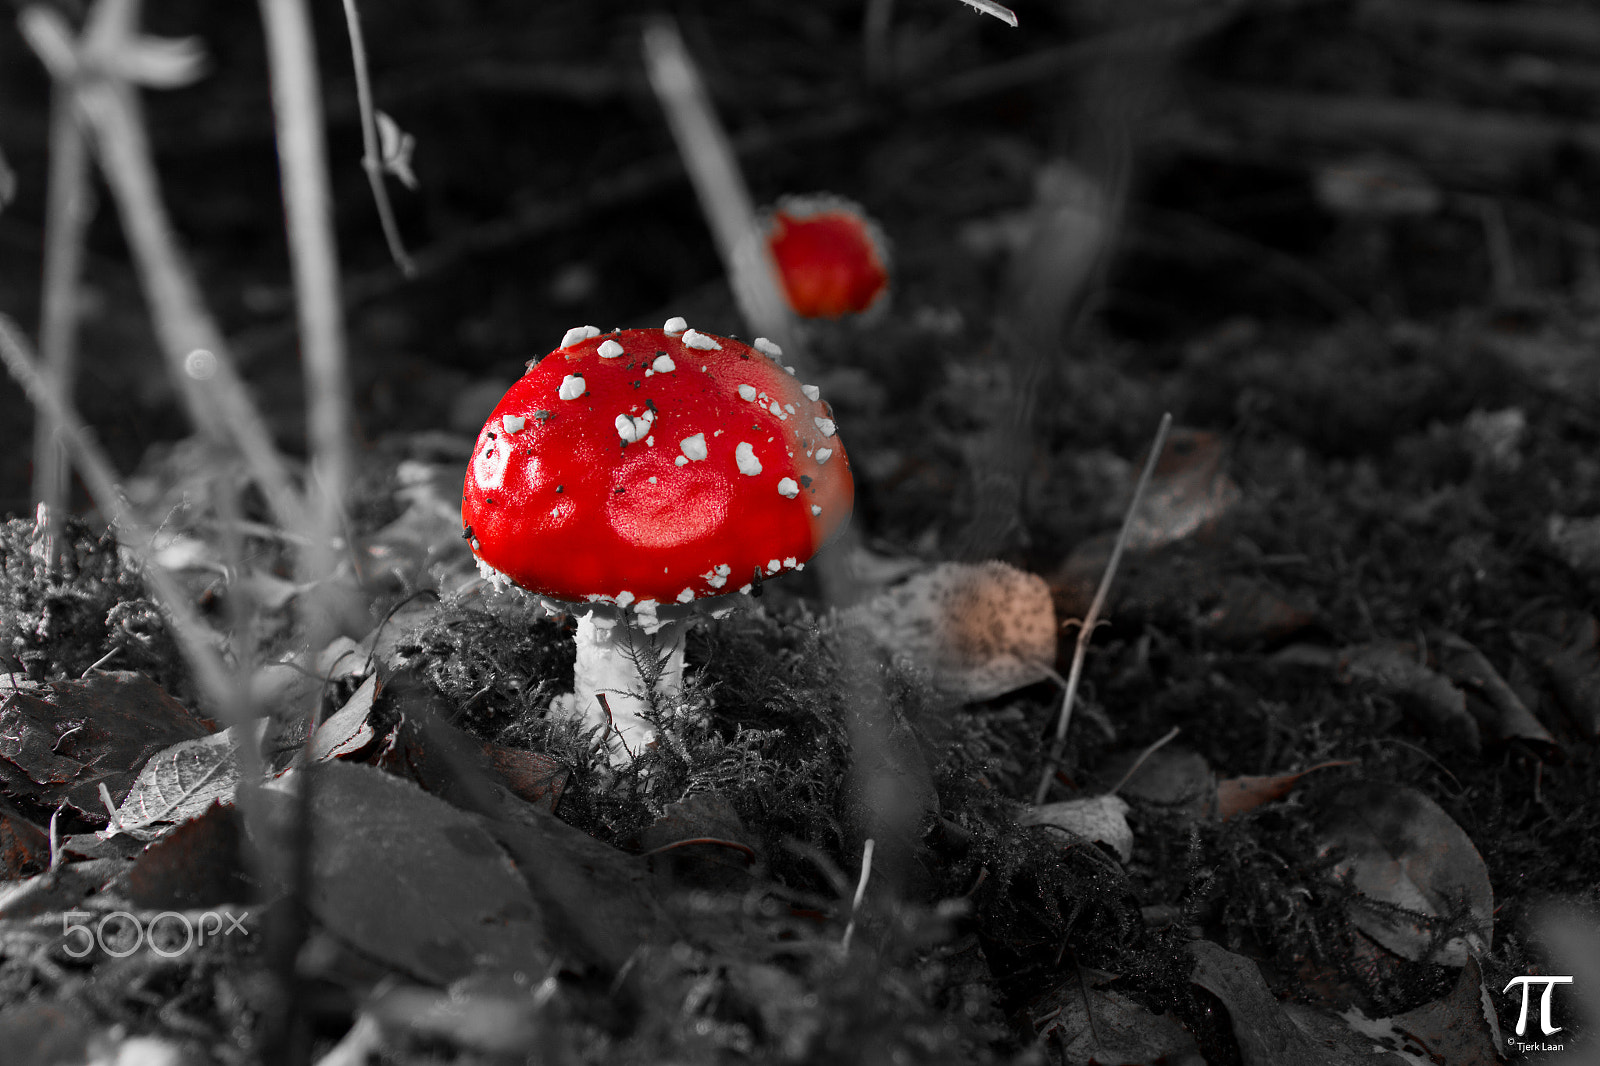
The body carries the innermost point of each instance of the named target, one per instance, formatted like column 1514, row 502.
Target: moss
column 60, row 617
column 760, row 721
column 496, row 661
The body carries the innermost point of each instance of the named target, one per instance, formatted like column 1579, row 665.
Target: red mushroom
column 627, row 477
column 832, row 258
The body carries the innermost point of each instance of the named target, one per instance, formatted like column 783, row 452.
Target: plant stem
column 297, row 109
column 724, row 198
column 1144, row 755
column 67, row 212
column 297, row 106
column 1086, row 627
column 222, row 408
column 861, row 894
column 371, row 156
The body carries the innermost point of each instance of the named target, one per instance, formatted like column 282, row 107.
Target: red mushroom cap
column 654, row 464
column 830, row 255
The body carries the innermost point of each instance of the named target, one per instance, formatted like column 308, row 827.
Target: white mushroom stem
column 615, row 655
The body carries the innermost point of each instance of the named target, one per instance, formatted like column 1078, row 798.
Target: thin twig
column 861, row 894
column 222, row 695
column 67, row 212
column 1086, row 629
column 297, row 106
column 713, row 167
column 1140, row 761
column 744, row 849
column 605, row 705
column 371, row 156
column 92, row 667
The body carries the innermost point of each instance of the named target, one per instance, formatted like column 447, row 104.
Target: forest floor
column 1330, row 781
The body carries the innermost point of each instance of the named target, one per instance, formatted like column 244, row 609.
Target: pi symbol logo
column 1544, row 1001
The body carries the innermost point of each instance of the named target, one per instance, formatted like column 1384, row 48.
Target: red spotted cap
column 830, row 255
column 657, row 465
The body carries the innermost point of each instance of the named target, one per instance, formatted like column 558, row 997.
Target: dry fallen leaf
column 346, row 731
column 197, row 864
column 598, row 902
column 979, row 630
column 1248, row 610
column 425, row 748
column 708, row 818
column 532, row 775
column 1188, row 492
column 117, row 1048
column 1566, row 645
column 1090, row 1024
column 178, row 784
column 1182, row 782
column 1403, row 851
column 24, row 847
column 1500, row 712
column 1339, row 1041
column 593, row 899
column 57, row 890
column 1238, row 795
column 61, row 743
column 397, row 627
column 1172, row 778
column 1394, row 666
column 406, row 877
column 1182, row 584
column 1266, row 1035
column 1460, row 1029
column 1101, row 819
column 1456, row 693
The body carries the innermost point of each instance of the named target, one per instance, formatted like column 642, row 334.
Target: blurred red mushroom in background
column 832, row 258
column 628, row 477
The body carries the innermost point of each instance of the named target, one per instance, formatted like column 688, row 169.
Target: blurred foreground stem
column 297, row 106
column 96, row 69
column 725, row 200
column 67, row 214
